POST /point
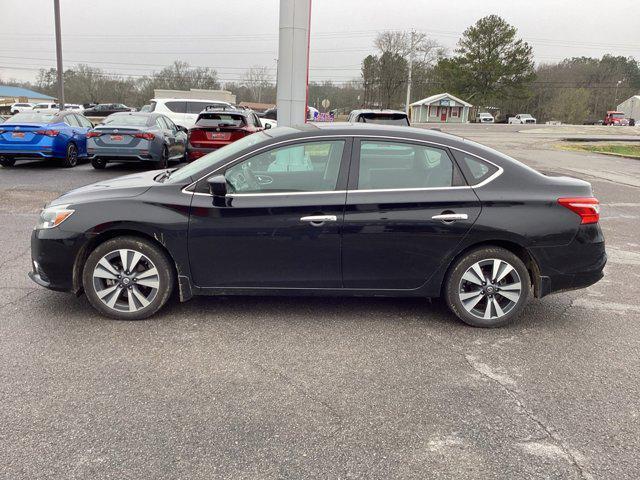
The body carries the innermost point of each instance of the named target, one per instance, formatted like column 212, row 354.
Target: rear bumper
column 193, row 153
column 27, row 153
column 124, row 158
column 576, row 265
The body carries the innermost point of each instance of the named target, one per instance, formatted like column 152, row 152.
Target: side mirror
column 267, row 126
column 181, row 128
column 217, row 186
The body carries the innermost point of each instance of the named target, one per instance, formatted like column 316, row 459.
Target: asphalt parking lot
column 299, row 388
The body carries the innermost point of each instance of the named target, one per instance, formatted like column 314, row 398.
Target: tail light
column 145, row 135
column 93, row 134
column 48, row 133
column 587, row 207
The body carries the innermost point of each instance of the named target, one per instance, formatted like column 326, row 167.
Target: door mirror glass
column 218, row 186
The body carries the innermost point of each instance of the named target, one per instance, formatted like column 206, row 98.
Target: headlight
column 51, row 217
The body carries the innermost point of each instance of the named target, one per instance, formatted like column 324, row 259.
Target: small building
column 196, row 94
column 441, row 108
column 631, row 108
column 10, row 95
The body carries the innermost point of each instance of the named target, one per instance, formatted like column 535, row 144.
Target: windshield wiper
column 164, row 175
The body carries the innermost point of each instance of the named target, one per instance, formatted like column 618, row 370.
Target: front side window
column 395, row 165
column 306, row 167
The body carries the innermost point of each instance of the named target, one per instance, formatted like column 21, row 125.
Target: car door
column 169, row 138
column 74, row 133
column 180, row 138
column 408, row 207
column 84, row 126
column 280, row 224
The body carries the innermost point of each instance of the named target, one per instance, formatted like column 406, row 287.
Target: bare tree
column 425, row 50
column 257, row 79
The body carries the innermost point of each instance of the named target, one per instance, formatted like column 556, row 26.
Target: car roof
column 188, row 100
column 372, row 110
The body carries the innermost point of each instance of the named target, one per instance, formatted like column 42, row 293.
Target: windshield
column 127, row 120
column 525, row 115
column 617, row 115
column 217, row 156
column 385, row 119
column 220, row 120
column 31, row 117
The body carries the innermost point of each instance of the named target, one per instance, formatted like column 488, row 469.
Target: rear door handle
column 451, row 217
column 318, row 220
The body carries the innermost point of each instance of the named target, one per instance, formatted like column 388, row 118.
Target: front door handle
column 318, row 220
column 450, row 217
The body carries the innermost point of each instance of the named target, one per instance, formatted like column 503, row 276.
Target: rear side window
column 197, row 107
column 71, row 120
column 476, row 170
column 395, row 165
column 176, row 107
column 84, row 122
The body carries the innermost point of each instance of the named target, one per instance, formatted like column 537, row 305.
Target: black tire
column 159, row 260
column 455, row 286
column 164, row 160
column 71, row 158
column 98, row 163
column 7, row 162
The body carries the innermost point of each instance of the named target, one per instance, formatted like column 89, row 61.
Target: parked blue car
column 61, row 135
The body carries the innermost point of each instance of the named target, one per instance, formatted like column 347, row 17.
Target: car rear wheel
column 7, row 162
column 98, row 163
column 488, row 287
column 164, row 160
column 71, row 159
column 128, row 278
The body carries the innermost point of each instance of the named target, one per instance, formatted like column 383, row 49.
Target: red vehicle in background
column 615, row 118
column 219, row 126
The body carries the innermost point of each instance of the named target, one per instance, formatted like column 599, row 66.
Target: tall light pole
column 60, row 71
column 412, row 46
column 293, row 61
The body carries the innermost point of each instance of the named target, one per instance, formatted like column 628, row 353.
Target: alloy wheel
column 490, row 289
column 126, row 280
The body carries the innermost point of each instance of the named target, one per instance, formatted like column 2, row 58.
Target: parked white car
column 20, row 107
column 484, row 117
column 74, row 106
column 46, row 107
column 522, row 118
column 183, row 111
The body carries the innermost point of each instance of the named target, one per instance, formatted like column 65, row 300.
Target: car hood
column 120, row 187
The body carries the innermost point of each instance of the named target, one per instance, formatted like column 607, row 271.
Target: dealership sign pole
column 293, row 61
column 60, row 71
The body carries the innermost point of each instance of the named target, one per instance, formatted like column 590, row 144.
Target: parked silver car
column 136, row 136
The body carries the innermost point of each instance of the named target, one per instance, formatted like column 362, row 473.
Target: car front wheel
column 128, row 278
column 488, row 287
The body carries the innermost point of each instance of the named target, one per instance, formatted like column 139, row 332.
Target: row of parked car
column 166, row 130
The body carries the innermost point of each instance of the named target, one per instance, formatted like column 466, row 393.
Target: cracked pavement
column 292, row 388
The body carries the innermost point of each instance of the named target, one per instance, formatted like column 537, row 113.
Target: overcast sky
column 136, row 37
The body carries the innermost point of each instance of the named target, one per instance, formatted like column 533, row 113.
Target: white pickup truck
column 522, row 118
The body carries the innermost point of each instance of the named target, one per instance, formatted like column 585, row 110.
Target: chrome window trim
column 385, row 137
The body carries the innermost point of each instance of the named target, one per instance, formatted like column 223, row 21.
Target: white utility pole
column 60, row 71
column 293, row 61
column 412, row 46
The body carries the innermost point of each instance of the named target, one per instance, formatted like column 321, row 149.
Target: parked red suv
column 219, row 126
column 615, row 118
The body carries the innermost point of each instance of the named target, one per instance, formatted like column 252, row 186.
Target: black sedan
column 104, row 109
column 328, row 209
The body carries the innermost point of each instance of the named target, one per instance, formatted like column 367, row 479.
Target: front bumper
column 576, row 265
column 53, row 254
